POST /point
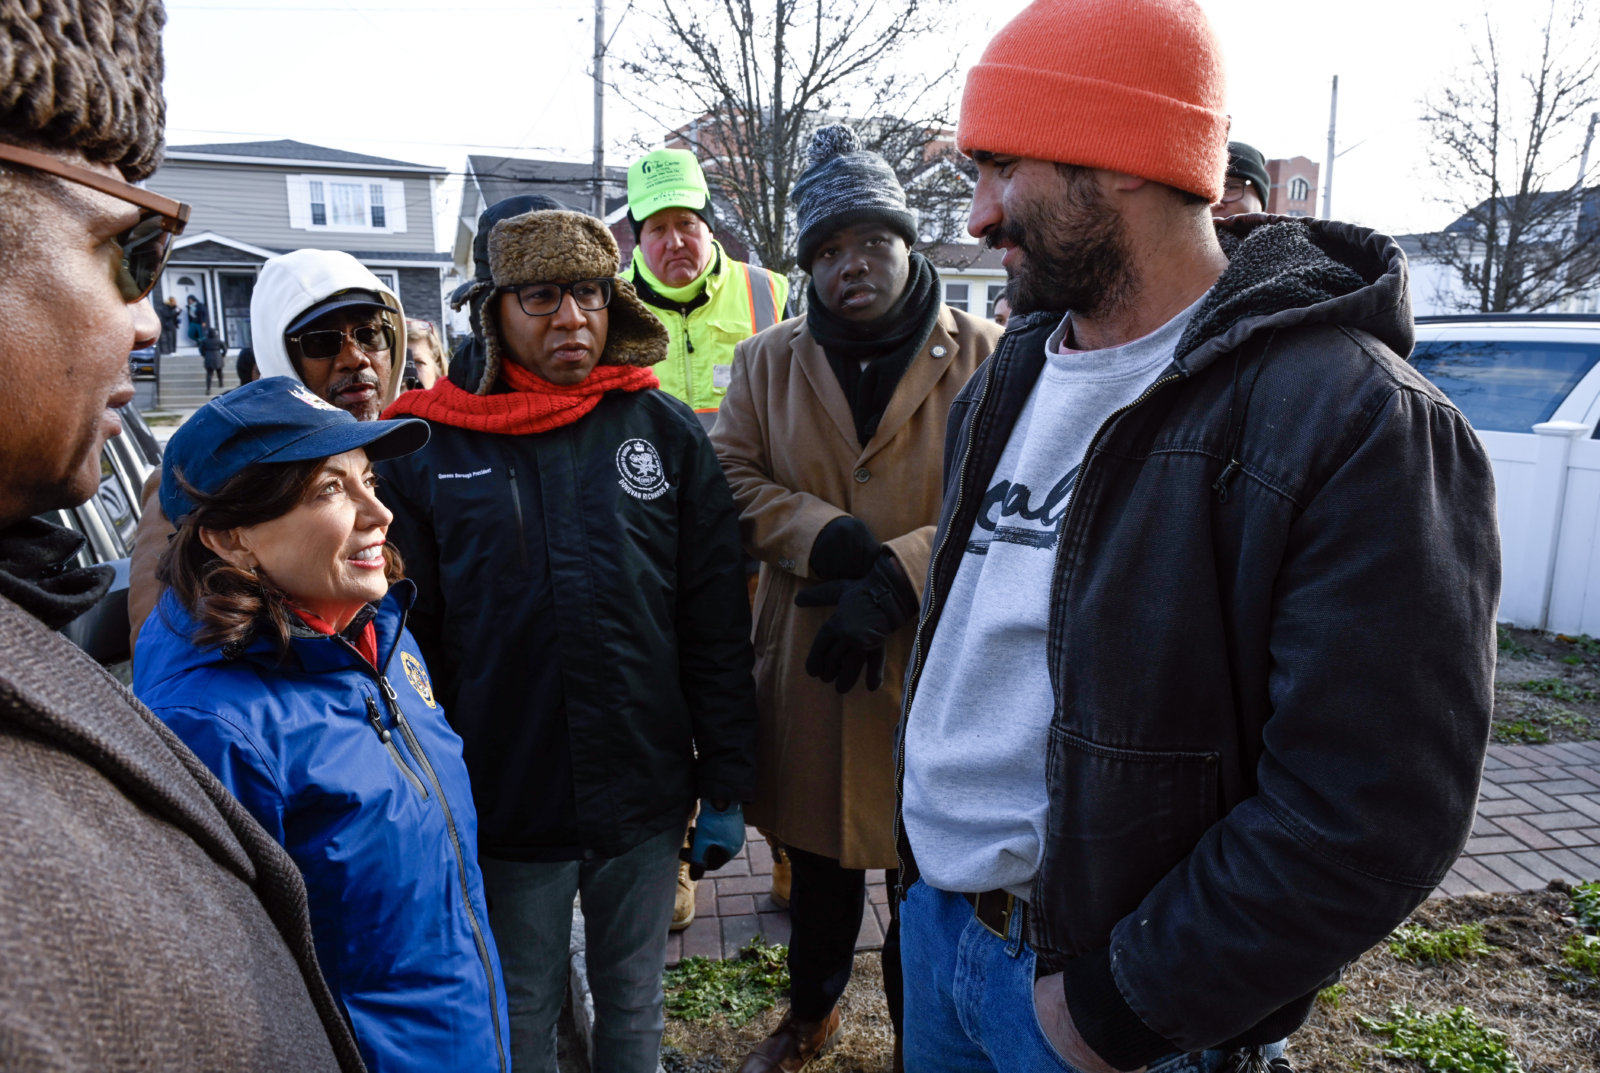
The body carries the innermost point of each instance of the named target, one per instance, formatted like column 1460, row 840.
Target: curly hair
column 233, row 605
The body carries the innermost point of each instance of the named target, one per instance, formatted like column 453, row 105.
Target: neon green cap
column 666, row 179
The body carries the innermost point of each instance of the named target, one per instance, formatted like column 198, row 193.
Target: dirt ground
column 1551, row 1029
column 1547, row 688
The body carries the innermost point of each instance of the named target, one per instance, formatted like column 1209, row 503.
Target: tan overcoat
column 784, row 434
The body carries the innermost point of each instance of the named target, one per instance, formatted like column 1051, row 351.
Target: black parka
column 582, row 604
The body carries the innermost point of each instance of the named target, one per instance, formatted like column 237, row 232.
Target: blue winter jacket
column 360, row 777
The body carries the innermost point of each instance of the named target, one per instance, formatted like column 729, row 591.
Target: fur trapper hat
column 559, row 246
column 85, row 76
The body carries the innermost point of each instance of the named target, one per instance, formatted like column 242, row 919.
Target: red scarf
column 366, row 641
column 533, row 404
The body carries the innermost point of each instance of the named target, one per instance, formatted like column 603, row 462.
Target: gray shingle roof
column 286, row 149
column 500, row 177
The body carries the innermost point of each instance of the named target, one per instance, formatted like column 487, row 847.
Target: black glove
column 870, row 609
column 845, row 548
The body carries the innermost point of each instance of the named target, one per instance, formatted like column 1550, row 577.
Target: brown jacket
column 150, row 923
column 784, row 434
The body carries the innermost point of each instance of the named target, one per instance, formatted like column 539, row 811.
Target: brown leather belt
column 995, row 909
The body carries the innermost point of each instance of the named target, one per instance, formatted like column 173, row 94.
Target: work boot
column 780, row 877
column 683, row 902
column 793, row 1044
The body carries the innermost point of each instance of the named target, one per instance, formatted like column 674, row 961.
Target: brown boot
column 793, row 1044
column 683, row 901
column 780, row 878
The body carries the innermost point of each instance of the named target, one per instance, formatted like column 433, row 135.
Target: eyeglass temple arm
column 175, row 213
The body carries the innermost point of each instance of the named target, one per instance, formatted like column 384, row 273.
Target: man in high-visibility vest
column 708, row 301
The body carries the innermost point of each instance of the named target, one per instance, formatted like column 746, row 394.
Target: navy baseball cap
column 277, row 419
column 354, row 298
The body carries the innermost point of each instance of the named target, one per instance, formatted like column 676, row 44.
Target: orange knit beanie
column 1134, row 86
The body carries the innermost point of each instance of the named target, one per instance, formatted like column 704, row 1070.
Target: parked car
column 1509, row 372
column 109, row 523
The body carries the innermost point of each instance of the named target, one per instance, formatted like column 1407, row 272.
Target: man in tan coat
column 831, row 437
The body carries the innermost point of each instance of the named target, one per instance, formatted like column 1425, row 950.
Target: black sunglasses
column 325, row 344
column 147, row 244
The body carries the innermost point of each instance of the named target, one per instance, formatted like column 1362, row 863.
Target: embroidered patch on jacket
column 640, row 466
column 418, row 678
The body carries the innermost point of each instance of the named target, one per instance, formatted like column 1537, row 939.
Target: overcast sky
column 431, row 81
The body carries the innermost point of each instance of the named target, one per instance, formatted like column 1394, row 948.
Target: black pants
column 826, row 902
column 216, row 373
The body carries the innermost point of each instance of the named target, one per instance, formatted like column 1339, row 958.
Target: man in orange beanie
column 1206, row 538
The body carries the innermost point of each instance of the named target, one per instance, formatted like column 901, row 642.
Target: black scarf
column 37, row 574
column 887, row 344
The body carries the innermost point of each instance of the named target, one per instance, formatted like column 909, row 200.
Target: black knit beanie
column 846, row 185
column 1246, row 162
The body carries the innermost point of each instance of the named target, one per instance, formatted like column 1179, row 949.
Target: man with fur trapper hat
column 582, row 604
column 1206, row 538
column 149, row 920
column 831, row 436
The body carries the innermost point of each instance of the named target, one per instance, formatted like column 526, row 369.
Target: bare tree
column 1505, row 147
column 755, row 79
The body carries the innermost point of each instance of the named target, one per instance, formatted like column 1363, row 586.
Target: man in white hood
column 322, row 318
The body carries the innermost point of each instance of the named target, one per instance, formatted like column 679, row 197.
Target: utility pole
column 1327, row 175
column 598, row 202
column 1583, row 161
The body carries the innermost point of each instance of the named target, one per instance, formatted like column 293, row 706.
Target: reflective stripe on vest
column 758, row 283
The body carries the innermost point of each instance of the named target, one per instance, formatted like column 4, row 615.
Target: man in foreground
column 581, row 603
column 1206, row 539
column 149, row 919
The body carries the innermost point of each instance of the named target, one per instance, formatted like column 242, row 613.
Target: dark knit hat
column 559, row 246
column 846, row 185
column 85, row 76
column 503, row 209
column 1246, row 162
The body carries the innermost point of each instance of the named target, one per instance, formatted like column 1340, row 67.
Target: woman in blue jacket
column 279, row 654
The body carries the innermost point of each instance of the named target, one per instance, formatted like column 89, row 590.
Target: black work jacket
column 1271, row 644
column 581, row 604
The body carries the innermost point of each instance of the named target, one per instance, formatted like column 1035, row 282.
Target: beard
column 365, row 411
column 1075, row 251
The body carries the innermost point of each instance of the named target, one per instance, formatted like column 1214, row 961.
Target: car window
column 1505, row 386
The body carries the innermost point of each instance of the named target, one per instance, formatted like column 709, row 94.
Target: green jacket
column 739, row 301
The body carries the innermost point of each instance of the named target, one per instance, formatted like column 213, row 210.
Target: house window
column 346, row 203
column 1299, row 189
column 387, row 279
column 995, row 291
column 955, row 296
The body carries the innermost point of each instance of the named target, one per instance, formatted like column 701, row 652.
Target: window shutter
column 394, row 205
column 299, row 202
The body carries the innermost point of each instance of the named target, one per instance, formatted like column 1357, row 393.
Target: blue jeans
column 627, row 905
column 969, row 996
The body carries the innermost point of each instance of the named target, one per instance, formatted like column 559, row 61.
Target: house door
column 236, row 288
column 182, row 284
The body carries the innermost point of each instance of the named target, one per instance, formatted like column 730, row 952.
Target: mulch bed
column 1551, row 1027
column 1547, row 689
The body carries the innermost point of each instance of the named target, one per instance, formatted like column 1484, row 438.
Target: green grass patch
column 1582, row 952
column 1452, row 1042
column 1332, row 995
column 1521, row 732
column 1586, row 904
column 1557, row 689
column 1420, row 945
column 1508, row 643
column 1589, row 646
column 702, row 989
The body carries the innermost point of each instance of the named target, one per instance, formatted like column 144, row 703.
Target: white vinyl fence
column 1548, row 486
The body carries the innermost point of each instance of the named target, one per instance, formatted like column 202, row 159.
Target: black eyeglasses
column 325, row 344
column 1234, row 189
column 543, row 299
column 147, row 244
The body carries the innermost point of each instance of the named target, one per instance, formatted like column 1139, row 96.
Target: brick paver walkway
column 1538, row 820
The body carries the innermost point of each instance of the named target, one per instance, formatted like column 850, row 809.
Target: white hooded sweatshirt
column 294, row 282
